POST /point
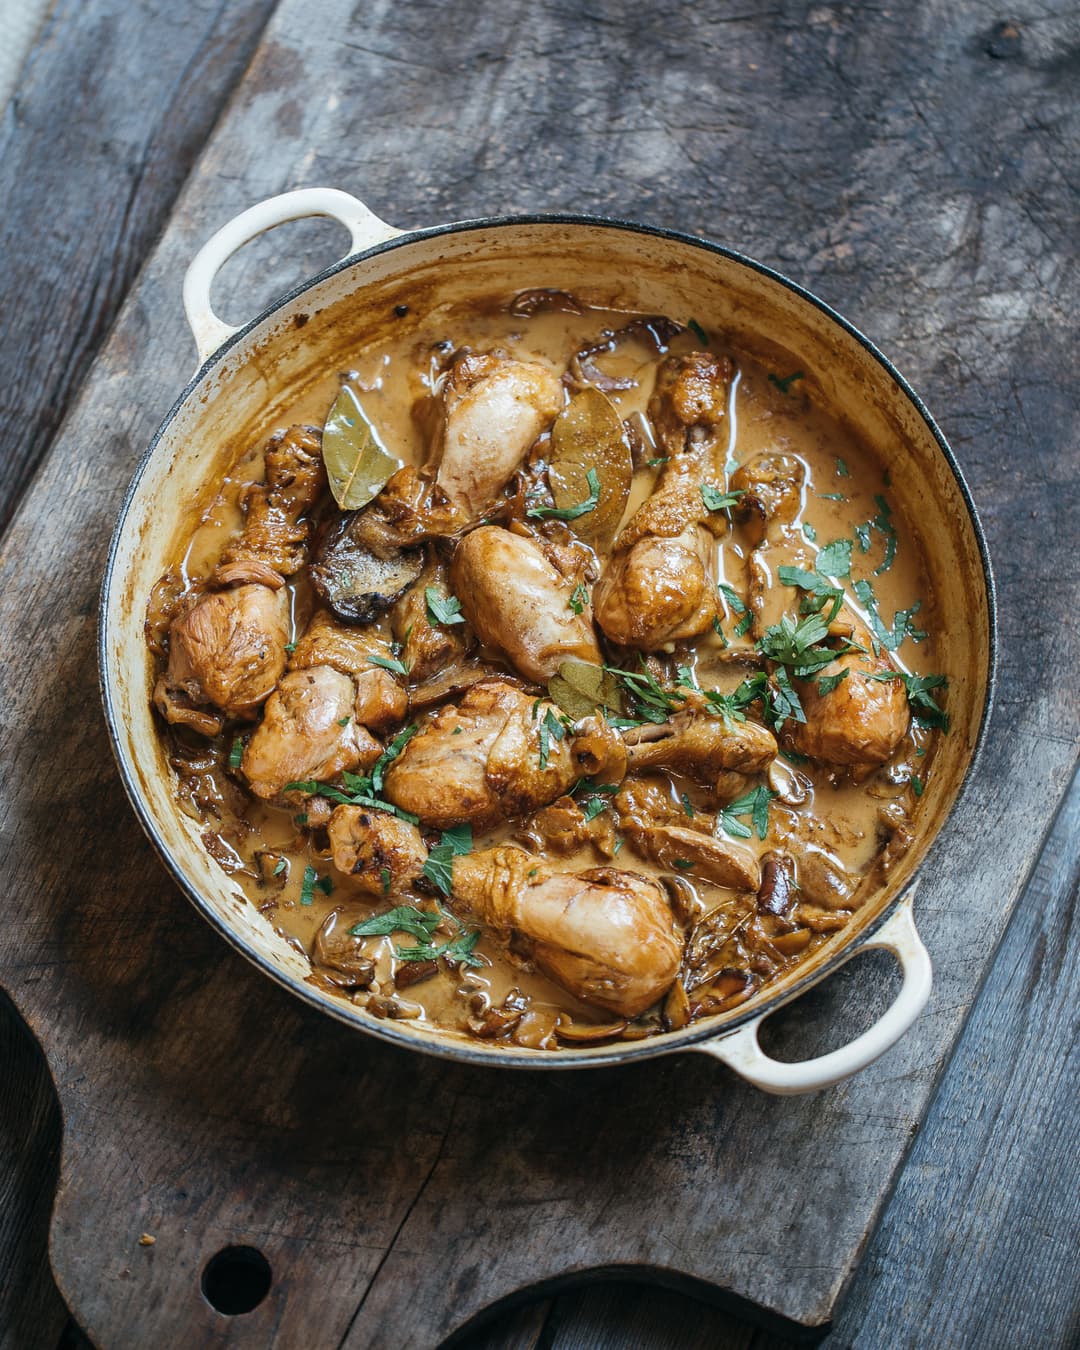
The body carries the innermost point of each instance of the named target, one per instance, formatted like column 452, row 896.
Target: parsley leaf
column 307, row 886
column 916, row 785
column 784, row 385
column 438, row 868
column 571, row 512
column 862, row 534
column 391, row 664
column 652, row 702
column 842, row 468
column 715, row 500
column 684, row 864
column 459, row 948
column 810, row 532
column 902, row 626
column 698, row 331
column 795, row 644
column 579, row 598
column 927, row 711
column 827, row 683
column 785, row 701
column 834, row 559
column 739, row 606
column 459, row 838
column 755, row 805
column 401, row 919
column 550, row 729
column 442, row 609
column 236, row 753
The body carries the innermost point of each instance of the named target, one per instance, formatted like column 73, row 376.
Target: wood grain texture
column 199, row 1103
column 93, row 149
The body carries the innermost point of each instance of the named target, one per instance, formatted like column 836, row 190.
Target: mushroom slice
column 702, row 855
column 357, row 582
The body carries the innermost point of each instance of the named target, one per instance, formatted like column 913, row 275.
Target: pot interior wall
column 249, row 390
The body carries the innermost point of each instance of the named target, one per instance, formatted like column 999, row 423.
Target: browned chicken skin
column 861, row 721
column 657, row 587
column 381, row 700
column 701, row 747
column 494, row 407
column 227, row 651
column 309, row 731
column 380, row 853
column 518, row 602
column 274, row 531
column 480, row 761
column 604, row 934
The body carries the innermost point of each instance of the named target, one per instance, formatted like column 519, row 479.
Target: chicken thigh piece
column 861, row 720
column 518, row 602
column 701, row 747
column 657, row 587
column 380, row 853
column 275, row 532
column 381, row 699
column 496, row 754
column 226, row 654
column 605, row 935
column 309, row 731
column 494, row 407
column 772, row 487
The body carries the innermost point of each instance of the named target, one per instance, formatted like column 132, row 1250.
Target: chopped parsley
column 785, row 701
column 902, row 626
column 882, row 522
column 862, row 534
column 362, row 789
column 570, row 512
column 827, row 683
column 698, row 331
column 236, row 753
column 459, row 838
column 459, row 948
column 402, row 919
column 391, row 664
column 657, row 460
column 916, row 785
column 384, row 877
column 279, row 867
column 755, row 805
column 442, row 609
column 439, row 867
column 593, row 806
column 926, row 710
column 739, row 606
column 715, row 500
column 834, row 560
column 731, row 706
column 832, row 496
column 344, row 721
column 784, row 385
column 687, row 805
column 307, row 886
column 811, row 533
column 841, row 468
column 579, row 598
column 550, row 729
column 290, row 647
column 796, row 644
column 820, row 591
column 652, row 702
column 684, row 864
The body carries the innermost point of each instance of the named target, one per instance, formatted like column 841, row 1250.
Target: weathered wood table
column 915, row 167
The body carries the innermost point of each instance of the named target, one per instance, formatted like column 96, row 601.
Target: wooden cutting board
column 396, row 1198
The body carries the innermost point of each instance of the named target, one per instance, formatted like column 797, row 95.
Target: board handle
column 741, row 1051
column 364, row 226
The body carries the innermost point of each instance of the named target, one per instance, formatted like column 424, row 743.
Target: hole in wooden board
column 834, row 1012
column 236, row 1280
column 262, row 271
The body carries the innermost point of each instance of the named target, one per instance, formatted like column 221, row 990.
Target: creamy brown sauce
column 266, row 847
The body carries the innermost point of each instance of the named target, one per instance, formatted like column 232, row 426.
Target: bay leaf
column 581, row 689
column 357, row 462
column 588, row 435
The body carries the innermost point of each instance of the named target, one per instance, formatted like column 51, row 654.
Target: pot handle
column 363, row 225
column 740, row 1050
